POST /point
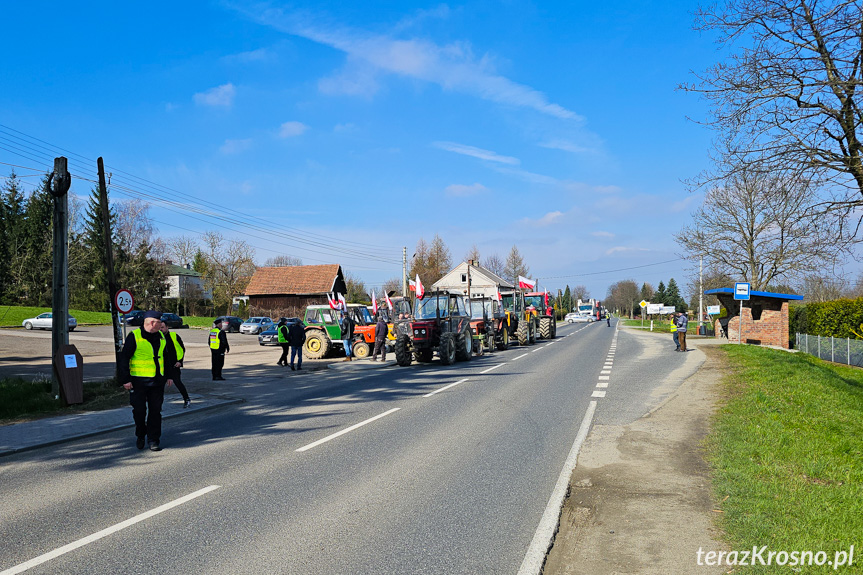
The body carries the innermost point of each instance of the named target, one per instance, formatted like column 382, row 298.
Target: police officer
column 180, row 349
column 218, row 348
column 146, row 365
column 284, row 342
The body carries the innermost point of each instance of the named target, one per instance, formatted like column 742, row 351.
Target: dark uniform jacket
column 297, row 335
column 129, row 347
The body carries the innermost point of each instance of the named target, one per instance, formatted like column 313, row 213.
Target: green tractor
column 523, row 325
column 323, row 332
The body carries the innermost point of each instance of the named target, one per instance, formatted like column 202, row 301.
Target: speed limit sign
column 124, row 301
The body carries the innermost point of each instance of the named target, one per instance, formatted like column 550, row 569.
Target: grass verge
column 662, row 326
column 23, row 399
column 786, row 455
column 14, row 316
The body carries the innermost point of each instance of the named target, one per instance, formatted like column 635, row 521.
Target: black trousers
column 286, row 347
column 146, row 403
column 218, row 362
column 380, row 347
column 180, row 387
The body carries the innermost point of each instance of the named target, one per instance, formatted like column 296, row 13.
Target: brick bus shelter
column 765, row 317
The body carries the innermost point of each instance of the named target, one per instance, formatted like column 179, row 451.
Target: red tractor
column 441, row 324
column 537, row 303
column 489, row 325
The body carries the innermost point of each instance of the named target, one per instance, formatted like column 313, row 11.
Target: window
column 464, row 278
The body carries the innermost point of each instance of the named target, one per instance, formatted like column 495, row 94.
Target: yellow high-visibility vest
column 144, row 360
column 214, row 338
column 177, row 347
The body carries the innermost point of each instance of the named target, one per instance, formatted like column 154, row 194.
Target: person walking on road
column 180, row 350
column 347, row 325
column 674, row 333
column 284, row 340
column 218, row 348
column 146, row 365
column 682, row 323
column 297, row 337
column 380, row 339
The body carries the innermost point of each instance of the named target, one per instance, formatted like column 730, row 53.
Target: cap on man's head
column 217, row 321
column 153, row 314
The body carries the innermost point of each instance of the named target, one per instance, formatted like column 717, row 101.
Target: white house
column 482, row 282
column 183, row 281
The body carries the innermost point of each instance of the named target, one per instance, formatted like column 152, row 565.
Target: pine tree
column 35, row 272
column 567, row 299
column 89, row 290
column 672, row 295
column 14, row 206
column 515, row 266
column 659, row 295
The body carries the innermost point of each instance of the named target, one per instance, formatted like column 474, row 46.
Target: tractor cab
column 441, row 322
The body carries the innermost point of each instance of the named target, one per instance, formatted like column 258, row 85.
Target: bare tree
column 494, row 264
column 472, row 254
column 764, row 230
column 229, row 267
column 431, row 262
column 356, row 289
column 623, row 296
column 283, row 261
column 393, row 285
column 182, row 249
column 786, row 101
column 817, row 288
column 580, row 292
column 515, row 266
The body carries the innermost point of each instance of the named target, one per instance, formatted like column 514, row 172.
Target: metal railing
column 835, row 349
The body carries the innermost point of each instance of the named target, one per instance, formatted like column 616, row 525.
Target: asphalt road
column 427, row 469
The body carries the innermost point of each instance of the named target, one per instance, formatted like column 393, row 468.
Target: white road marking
column 602, row 384
column 536, row 552
column 536, row 350
column 445, row 387
column 492, row 367
column 604, row 377
column 598, row 394
column 605, row 371
column 345, row 430
column 105, row 532
column 519, row 357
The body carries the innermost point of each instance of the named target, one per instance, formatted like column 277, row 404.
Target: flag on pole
column 412, row 285
column 343, row 305
column 389, row 301
column 525, row 283
column 374, row 304
column 332, row 302
column 420, row 289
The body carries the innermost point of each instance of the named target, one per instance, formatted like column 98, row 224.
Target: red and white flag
column 374, row 304
column 420, row 289
column 525, row 283
column 333, row 303
column 412, row 285
column 343, row 305
column 389, row 301
column 499, row 298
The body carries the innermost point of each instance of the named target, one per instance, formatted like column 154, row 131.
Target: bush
column 835, row 318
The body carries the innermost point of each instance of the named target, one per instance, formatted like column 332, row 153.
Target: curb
column 3, row 453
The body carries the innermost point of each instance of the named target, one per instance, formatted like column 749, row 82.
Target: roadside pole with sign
column 741, row 292
column 123, row 303
column 643, row 305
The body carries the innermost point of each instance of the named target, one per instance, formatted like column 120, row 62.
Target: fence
column 835, row 349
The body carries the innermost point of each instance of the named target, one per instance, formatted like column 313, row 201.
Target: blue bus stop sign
column 741, row 290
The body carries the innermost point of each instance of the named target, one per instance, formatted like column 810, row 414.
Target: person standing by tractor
column 284, row 340
column 180, row 349
column 347, row 325
column 218, row 348
column 380, row 339
column 146, row 365
column 297, row 335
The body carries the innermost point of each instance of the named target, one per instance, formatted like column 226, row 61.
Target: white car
column 45, row 321
column 577, row 318
column 255, row 325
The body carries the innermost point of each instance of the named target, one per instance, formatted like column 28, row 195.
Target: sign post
column 123, row 303
column 741, row 292
column 643, row 305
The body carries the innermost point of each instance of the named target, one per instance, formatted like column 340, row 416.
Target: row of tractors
column 446, row 323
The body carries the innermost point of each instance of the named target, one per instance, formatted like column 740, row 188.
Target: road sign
column 741, row 290
column 642, row 303
column 654, row 308
column 713, row 310
column 124, row 301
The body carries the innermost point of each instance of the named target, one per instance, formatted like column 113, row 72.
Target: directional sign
column 741, row 290
column 642, row 303
column 124, row 301
column 653, row 308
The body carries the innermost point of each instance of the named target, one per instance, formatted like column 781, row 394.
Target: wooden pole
column 109, row 267
column 59, row 186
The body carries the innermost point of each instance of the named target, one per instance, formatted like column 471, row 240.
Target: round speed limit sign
column 124, row 301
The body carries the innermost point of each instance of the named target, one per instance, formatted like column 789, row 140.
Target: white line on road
column 602, row 384
column 492, row 367
column 519, row 357
column 604, row 377
column 345, row 430
column 535, row 556
column 605, row 371
column 446, row 387
column 598, row 394
column 105, row 532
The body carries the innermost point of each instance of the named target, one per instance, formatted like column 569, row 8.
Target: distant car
column 570, row 317
column 579, row 318
column 255, row 325
column 172, row 320
column 271, row 335
column 45, row 321
column 134, row 318
column 234, row 322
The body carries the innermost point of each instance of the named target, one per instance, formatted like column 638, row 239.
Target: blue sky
column 555, row 126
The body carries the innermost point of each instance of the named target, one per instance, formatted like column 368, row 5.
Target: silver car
column 45, row 321
column 255, row 325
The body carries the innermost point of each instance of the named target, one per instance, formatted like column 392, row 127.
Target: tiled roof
column 291, row 280
column 175, row 270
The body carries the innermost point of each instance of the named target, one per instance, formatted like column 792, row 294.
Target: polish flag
column 412, row 285
column 420, row 289
column 389, row 301
column 525, row 283
column 332, row 302
column 499, row 298
column 343, row 305
column 374, row 304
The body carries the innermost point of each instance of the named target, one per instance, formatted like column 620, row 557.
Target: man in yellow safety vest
column 218, row 348
column 146, row 365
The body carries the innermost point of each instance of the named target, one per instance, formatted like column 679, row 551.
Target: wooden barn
column 286, row 290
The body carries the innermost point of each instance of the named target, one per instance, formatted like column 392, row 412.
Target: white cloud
column 476, row 152
column 682, row 204
column 259, row 55
column 608, row 235
column 220, row 96
column 461, row 190
column 354, row 80
column 624, row 249
column 530, row 177
column 546, row 220
column 231, row 147
column 566, row 147
column 452, row 66
column 344, row 128
column 291, row 129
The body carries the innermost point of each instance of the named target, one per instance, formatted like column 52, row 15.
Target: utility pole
column 405, row 271
column 469, row 264
column 59, row 186
column 700, row 291
column 109, row 267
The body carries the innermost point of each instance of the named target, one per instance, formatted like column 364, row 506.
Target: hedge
column 835, row 318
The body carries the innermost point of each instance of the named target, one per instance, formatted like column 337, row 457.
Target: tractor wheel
column 504, row 339
column 522, row 333
column 545, row 328
column 463, row 345
column 479, row 346
column 488, row 342
column 317, row 345
column 404, row 355
column 424, row 355
column 447, row 349
column 553, row 328
column 532, row 330
column 361, row 350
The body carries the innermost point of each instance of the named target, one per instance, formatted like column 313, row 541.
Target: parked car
column 234, row 322
column 271, row 336
column 45, row 321
column 580, row 318
column 135, row 318
column 172, row 320
column 255, row 325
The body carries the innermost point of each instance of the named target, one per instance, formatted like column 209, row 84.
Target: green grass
column 199, row 321
column 23, row 399
column 787, row 455
column 662, row 326
column 14, row 316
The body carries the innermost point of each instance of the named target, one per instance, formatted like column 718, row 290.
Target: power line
column 612, row 271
